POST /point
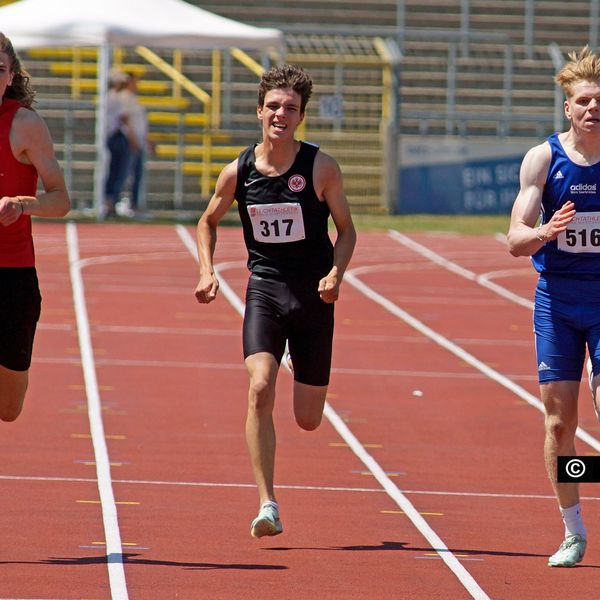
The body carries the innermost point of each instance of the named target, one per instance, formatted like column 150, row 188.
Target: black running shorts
column 277, row 311
column 20, row 305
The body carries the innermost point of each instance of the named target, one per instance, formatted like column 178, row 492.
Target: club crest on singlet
column 296, row 183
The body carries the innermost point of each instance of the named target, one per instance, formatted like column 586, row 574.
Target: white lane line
column 407, row 507
column 491, row 373
column 376, row 373
column 465, row 578
column 129, row 329
column 114, row 551
column 486, row 281
column 189, row 242
column 483, row 280
column 317, row 488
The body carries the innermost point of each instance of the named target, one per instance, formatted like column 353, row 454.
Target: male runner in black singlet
column 285, row 190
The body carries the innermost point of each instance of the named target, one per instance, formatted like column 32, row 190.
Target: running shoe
column 588, row 365
column 569, row 553
column 267, row 522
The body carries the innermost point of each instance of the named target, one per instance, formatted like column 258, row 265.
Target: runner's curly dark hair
column 20, row 89
column 286, row 76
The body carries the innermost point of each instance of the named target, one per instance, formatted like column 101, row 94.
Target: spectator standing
column 138, row 123
column 119, row 139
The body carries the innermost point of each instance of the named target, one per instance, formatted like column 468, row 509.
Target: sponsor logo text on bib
column 582, row 234
column 277, row 223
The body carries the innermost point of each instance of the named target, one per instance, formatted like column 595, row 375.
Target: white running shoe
column 588, row 366
column 267, row 522
column 569, row 553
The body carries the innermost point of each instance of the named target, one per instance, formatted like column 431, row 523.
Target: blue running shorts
column 566, row 318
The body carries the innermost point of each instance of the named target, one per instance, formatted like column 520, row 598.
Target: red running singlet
column 16, row 179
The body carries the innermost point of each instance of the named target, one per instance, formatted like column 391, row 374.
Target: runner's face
column 582, row 107
column 280, row 113
column 5, row 74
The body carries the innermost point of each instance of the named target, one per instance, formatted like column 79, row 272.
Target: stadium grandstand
column 384, row 71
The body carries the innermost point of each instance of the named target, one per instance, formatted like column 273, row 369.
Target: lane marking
column 457, row 350
column 465, row 578
column 114, row 551
column 88, row 547
column 128, row 329
column 317, row 488
column 405, row 504
column 98, row 502
column 236, row 366
column 434, row 557
column 92, row 463
column 483, row 280
column 399, row 512
column 123, row 543
column 88, row 436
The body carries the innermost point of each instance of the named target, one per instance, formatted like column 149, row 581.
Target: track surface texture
column 127, row 476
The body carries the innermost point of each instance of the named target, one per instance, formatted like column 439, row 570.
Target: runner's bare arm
column 330, row 188
column 524, row 239
column 206, row 232
column 31, row 144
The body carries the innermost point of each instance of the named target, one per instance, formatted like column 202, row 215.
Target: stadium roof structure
column 106, row 23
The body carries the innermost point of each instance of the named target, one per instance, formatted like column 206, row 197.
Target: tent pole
column 102, row 90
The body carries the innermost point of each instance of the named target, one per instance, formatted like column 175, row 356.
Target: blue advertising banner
column 487, row 186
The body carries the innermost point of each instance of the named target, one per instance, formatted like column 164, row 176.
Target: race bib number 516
column 277, row 223
column 582, row 234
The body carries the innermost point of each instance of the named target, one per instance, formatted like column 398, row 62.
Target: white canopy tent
column 106, row 23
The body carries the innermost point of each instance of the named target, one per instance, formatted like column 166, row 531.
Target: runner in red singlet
column 26, row 153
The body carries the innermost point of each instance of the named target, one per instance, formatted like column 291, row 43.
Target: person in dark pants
column 121, row 142
column 138, row 123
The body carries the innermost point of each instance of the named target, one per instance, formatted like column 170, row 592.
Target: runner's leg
column 260, row 431
column 13, row 385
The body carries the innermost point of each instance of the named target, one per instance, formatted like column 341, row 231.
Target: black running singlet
column 284, row 222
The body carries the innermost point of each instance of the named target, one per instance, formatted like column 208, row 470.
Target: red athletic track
column 173, row 388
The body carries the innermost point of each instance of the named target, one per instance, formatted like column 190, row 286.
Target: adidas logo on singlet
column 558, row 175
column 543, row 367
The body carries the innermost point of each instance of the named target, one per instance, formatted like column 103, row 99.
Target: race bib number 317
column 277, row 223
column 582, row 234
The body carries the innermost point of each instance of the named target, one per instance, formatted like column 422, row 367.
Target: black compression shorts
column 277, row 311
column 20, row 305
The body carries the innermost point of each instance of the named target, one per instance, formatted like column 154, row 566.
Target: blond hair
column 582, row 66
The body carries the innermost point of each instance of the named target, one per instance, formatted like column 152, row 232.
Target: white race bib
column 582, row 234
column 277, row 223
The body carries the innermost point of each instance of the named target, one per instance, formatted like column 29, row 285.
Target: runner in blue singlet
column 560, row 179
